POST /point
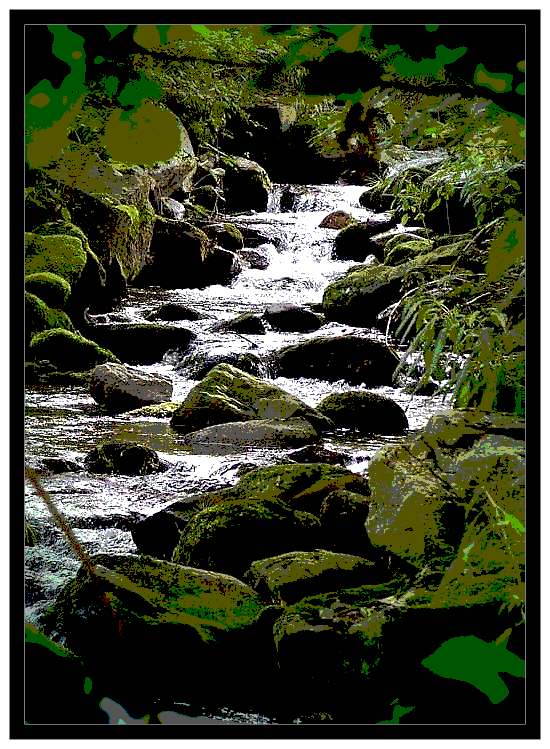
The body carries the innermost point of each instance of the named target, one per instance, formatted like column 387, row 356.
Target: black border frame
column 528, row 730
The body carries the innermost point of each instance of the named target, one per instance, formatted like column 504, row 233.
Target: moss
column 67, row 351
column 51, row 288
column 156, row 411
column 56, row 253
column 235, row 234
column 63, row 227
column 39, row 317
column 396, row 252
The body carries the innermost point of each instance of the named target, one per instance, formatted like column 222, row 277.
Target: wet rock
column 158, row 411
column 367, row 413
column 225, row 235
column 229, row 536
column 60, row 465
column 353, row 242
column 67, row 351
column 232, row 437
column 198, row 365
column 127, row 458
column 289, row 577
column 39, row 317
column 208, row 196
column 343, row 514
column 172, row 312
column 51, row 288
column 171, row 208
column 221, row 266
column 254, row 238
column 246, row 185
column 229, row 394
column 302, row 486
column 337, row 220
column 318, row 454
column 292, row 318
column 374, row 201
column 248, row 322
column 359, row 296
column 142, row 343
column 429, row 488
column 138, row 614
column 351, row 358
column 254, row 259
column 119, row 388
column 288, row 200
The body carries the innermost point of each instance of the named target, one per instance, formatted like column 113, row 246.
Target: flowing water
column 66, row 422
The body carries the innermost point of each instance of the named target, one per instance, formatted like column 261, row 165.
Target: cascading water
column 65, row 421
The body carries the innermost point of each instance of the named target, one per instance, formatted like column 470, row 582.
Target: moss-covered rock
column 343, row 514
column 226, row 235
column 287, row 578
column 359, row 296
column 427, row 490
column 173, row 312
column 198, row 364
column 246, row 185
column 136, row 615
column 368, row 413
column 208, row 197
column 51, row 288
column 61, row 254
column 156, row 411
column 67, row 351
column 247, row 322
column 402, row 248
column 231, row 437
column 303, row 486
column 39, row 317
column 337, row 220
column 353, row 242
column 127, row 458
column 351, row 358
column 229, row 536
column 228, row 394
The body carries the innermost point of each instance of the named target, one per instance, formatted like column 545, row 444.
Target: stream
column 65, row 422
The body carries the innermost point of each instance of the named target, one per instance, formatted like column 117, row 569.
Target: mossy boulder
column 67, row 351
column 157, row 411
column 226, row 235
column 39, row 317
column 403, row 247
column 142, row 343
column 367, row 413
column 229, row 536
column 229, row 394
column 127, row 458
column 247, row 322
column 287, row 578
column 303, row 486
column 343, row 514
column 207, row 196
column 359, row 296
column 375, row 201
column 337, row 220
column 232, row 437
column 51, row 288
column 119, row 388
column 61, row 254
column 351, row 358
column 153, row 628
column 246, row 185
column 427, row 490
column 198, row 364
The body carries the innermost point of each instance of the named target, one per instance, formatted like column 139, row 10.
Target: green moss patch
column 56, row 253
column 67, row 351
column 39, row 317
column 51, row 288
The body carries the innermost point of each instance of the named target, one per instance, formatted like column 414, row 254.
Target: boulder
column 60, row 465
column 375, row 201
column 221, row 266
column 302, row 486
column 229, row 536
column 292, row 318
column 289, row 577
column 229, row 394
column 126, row 458
column 337, row 220
column 170, row 208
column 157, row 629
column 359, row 296
column 158, row 534
column 209, row 197
column 142, row 343
column 51, row 288
column 318, row 454
column 246, row 185
column 343, row 514
column 226, row 235
column 157, row 411
column 351, row 358
column 198, row 364
column 39, row 317
column 367, row 413
column 236, row 436
column 248, row 322
column 172, row 312
column 254, row 259
column 61, row 254
column 353, row 242
column 429, row 488
column 68, row 351
column 403, row 247
column 119, row 388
